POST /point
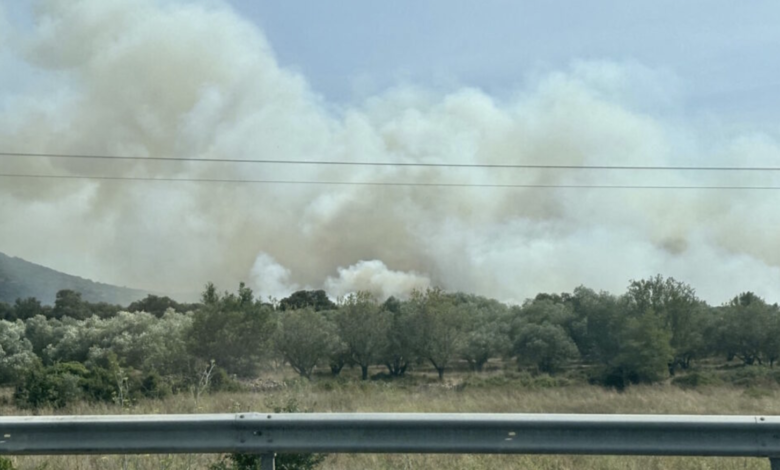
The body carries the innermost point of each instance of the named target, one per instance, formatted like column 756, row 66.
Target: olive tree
column 305, row 339
column 233, row 330
column 545, row 345
column 400, row 349
column 441, row 336
column 362, row 326
column 486, row 327
column 16, row 354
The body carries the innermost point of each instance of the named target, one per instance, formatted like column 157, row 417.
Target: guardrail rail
column 466, row 433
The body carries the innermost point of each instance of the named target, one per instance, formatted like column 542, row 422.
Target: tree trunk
column 396, row 367
column 335, row 369
column 364, row 372
column 440, row 370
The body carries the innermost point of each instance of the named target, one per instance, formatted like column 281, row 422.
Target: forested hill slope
column 22, row 279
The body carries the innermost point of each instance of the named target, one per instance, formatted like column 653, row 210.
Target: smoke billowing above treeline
column 153, row 78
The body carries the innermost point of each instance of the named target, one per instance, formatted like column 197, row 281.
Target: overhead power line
column 395, row 164
column 380, row 183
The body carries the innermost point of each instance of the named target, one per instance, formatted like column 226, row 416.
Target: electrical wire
column 395, row 164
column 384, row 183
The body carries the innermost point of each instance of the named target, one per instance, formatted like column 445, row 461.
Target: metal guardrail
column 266, row 434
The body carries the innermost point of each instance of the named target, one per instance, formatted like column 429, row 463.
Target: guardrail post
column 268, row 462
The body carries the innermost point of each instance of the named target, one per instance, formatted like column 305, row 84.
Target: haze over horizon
column 422, row 84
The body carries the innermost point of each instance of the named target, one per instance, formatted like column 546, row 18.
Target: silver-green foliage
column 16, row 352
column 305, row 339
column 139, row 340
column 363, row 327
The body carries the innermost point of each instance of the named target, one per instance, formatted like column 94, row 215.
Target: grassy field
column 463, row 394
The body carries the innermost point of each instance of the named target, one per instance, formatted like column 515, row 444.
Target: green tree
column 630, row 346
column 540, row 333
column 7, row 312
column 362, row 326
column 338, row 352
column 747, row 329
column 402, row 338
column 486, row 330
column 604, row 320
column 68, row 303
column 545, row 345
column 157, row 305
column 645, row 351
column 441, row 336
column 316, row 299
column 305, row 339
column 29, row 307
column 231, row 329
column 677, row 305
column 40, row 332
column 16, row 352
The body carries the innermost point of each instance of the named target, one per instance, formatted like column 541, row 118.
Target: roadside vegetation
column 657, row 331
column 656, row 348
column 460, row 392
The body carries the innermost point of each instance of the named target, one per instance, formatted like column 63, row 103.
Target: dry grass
column 426, row 396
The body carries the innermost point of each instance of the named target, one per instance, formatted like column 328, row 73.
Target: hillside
column 21, row 279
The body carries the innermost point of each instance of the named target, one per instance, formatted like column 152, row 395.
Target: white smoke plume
column 162, row 78
column 271, row 279
column 374, row 277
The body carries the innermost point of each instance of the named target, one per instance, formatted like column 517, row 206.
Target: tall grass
column 460, row 395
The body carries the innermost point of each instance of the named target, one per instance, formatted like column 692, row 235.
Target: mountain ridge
column 20, row 278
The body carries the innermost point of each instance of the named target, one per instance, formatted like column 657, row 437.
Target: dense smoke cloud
column 151, row 78
column 375, row 277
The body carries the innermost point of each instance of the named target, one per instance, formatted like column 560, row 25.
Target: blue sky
column 723, row 52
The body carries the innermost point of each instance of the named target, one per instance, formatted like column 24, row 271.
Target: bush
column 153, row 385
column 56, row 386
column 547, row 381
column 6, row 464
column 752, row 376
column 332, row 384
column 515, row 379
column 757, row 393
column 221, row 381
column 283, row 461
column 64, row 383
column 696, row 379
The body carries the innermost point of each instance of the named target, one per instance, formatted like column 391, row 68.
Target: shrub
column 6, row 464
column 221, row 381
column 55, row 386
column 153, row 385
column 61, row 384
column 751, row 376
column 757, row 393
column 283, row 461
column 696, row 379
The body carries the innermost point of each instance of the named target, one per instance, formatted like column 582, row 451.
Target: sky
column 659, row 83
column 349, row 49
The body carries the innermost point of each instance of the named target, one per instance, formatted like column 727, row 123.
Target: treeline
column 77, row 350
column 68, row 303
